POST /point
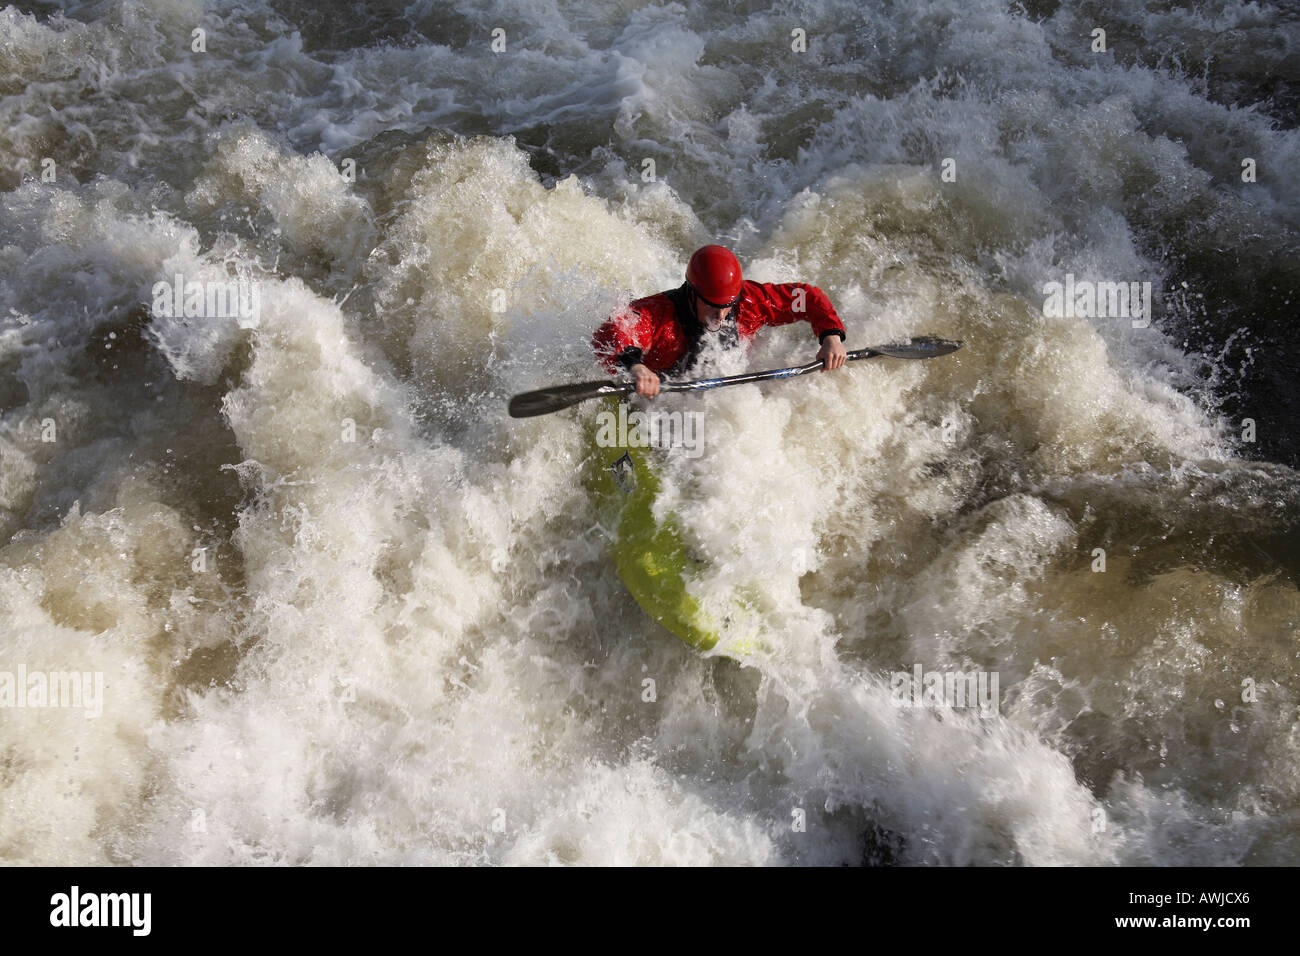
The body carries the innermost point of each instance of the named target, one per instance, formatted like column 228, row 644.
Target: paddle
column 547, row 400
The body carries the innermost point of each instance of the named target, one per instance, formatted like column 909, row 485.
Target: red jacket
column 660, row 331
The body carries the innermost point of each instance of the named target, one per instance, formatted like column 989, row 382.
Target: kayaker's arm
column 624, row 340
column 793, row 301
column 630, row 358
column 619, row 341
column 782, row 303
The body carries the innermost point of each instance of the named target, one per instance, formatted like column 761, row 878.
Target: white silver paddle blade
column 922, row 347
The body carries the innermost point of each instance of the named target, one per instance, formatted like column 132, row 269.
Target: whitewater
column 346, row 611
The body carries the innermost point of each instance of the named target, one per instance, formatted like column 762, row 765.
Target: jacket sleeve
column 783, row 303
column 623, row 339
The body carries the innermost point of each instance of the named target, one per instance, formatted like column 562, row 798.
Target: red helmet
column 714, row 274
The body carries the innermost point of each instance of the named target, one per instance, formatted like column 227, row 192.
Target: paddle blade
column 547, row 400
column 922, row 347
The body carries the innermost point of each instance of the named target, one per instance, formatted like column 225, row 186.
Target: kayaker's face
column 711, row 317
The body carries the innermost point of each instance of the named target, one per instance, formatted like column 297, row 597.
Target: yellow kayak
column 651, row 556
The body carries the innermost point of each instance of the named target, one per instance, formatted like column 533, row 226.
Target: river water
column 346, row 611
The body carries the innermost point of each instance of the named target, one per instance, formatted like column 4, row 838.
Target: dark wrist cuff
column 839, row 332
column 629, row 357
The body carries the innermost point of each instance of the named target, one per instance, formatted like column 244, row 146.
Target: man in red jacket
column 666, row 332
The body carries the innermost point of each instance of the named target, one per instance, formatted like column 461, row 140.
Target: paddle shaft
column 546, row 400
column 707, row 383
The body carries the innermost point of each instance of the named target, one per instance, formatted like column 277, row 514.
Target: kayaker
column 665, row 333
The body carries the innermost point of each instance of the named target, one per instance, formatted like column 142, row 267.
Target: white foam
column 409, row 646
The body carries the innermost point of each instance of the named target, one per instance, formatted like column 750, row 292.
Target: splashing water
column 345, row 611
